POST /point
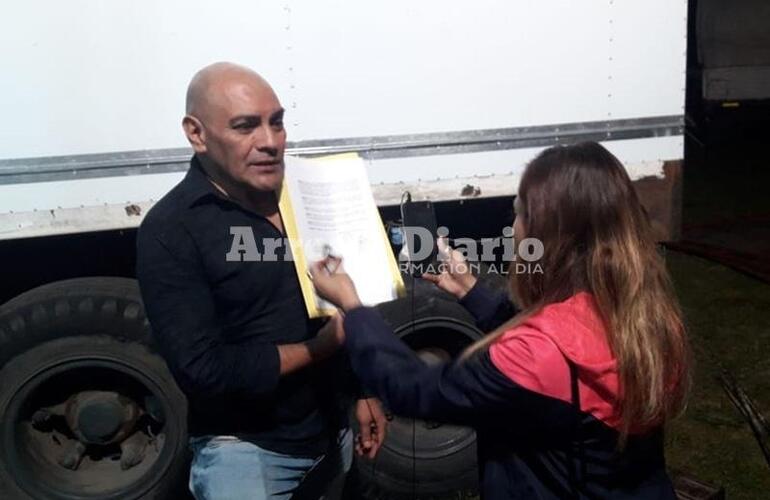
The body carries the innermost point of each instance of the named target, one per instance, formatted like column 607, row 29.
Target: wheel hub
column 101, row 417
column 85, row 428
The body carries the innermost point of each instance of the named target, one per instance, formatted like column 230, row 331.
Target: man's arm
column 181, row 310
column 294, row 357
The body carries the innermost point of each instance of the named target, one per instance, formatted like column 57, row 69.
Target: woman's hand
column 333, row 284
column 456, row 276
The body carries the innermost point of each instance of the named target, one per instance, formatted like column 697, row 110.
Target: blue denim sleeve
column 490, row 309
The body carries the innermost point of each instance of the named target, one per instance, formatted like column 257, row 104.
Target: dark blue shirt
column 217, row 323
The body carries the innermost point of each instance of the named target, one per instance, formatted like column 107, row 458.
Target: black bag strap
column 575, row 451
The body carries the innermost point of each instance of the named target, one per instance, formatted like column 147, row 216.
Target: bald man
column 266, row 413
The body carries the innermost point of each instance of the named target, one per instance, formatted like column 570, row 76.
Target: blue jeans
column 228, row 468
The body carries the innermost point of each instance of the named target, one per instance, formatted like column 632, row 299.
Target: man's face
column 243, row 133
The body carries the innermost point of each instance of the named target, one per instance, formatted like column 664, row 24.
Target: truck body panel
column 436, row 97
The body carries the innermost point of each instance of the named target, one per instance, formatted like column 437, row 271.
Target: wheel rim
column 35, row 450
column 434, row 339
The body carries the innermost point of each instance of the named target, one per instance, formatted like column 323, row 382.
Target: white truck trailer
column 447, row 100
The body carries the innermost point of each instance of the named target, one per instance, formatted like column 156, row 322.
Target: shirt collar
column 197, row 185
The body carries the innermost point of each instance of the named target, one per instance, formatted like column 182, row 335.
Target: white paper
column 334, row 211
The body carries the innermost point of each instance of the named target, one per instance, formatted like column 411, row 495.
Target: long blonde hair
column 579, row 201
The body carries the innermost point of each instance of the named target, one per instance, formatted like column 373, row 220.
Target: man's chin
column 266, row 181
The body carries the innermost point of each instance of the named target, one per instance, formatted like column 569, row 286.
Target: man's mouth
column 267, row 166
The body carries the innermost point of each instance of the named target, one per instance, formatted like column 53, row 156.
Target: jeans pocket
column 196, row 444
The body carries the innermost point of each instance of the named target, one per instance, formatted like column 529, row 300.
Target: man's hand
column 455, row 277
column 372, row 424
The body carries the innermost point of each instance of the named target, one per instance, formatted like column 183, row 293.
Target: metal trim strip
column 56, row 168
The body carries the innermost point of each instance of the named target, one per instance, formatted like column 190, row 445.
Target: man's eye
column 278, row 124
column 246, row 125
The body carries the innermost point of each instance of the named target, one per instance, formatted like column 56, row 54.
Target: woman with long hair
column 570, row 391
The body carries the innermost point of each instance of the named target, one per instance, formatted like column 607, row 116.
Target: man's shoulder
column 167, row 215
column 170, row 209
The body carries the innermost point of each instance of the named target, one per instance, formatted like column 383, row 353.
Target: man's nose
column 266, row 140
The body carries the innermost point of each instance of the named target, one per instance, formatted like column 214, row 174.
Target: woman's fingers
column 335, row 265
column 317, row 268
column 444, row 249
column 327, row 265
column 320, row 277
column 331, row 282
column 444, row 281
column 449, row 255
column 433, row 278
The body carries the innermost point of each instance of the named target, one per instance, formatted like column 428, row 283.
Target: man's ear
column 193, row 129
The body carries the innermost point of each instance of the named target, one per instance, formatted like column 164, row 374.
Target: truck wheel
column 421, row 458
column 87, row 408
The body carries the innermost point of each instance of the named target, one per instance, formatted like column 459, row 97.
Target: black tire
column 75, row 335
column 421, row 459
